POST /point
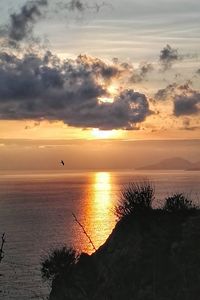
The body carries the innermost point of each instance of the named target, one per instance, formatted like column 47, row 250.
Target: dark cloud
column 21, row 24
column 173, row 89
column 186, row 100
column 186, row 105
column 99, row 68
column 34, row 87
column 134, row 75
column 37, row 88
column 128, row 109
column 168, row 56
column 164, row 94
column 198, row 71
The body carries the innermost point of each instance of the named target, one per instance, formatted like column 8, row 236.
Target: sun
column 104, row 134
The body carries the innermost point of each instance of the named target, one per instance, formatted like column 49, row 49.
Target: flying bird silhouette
column 62, row 162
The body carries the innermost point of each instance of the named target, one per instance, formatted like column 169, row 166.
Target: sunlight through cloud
column 104, row 134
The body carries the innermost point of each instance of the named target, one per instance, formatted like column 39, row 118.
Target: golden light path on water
column 102, row 190
column 100, row 218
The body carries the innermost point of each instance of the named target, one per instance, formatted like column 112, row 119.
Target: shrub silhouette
column 59, row 262
column 178, row 203
column 136, row 197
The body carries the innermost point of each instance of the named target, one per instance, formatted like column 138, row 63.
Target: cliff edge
column 151, row 254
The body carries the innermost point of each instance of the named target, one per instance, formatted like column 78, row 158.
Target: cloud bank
column 37, row 86
column 44, row 87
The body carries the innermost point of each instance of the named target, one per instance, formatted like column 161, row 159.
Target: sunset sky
column 113, row 80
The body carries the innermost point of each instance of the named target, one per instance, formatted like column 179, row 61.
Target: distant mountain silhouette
column 175, row 163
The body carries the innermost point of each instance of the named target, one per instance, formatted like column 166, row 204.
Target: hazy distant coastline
column 175, row 163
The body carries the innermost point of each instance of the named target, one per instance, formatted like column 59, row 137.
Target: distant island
column 175, row 163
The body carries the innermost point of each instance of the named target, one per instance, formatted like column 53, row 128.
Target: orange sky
column 137, row 79
column 92, row 154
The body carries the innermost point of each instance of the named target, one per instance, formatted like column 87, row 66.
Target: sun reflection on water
column 100, row 218
column 102, row 190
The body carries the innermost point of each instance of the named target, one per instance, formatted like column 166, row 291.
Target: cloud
column 37, row 87
column 127, row 109
column 134, row 75
column 145, row 68
column 186, row 105
column 42, row 87
column 21, row 25
column 186, row 100
column 142, row 72
column 173, row 90
column 166, row 93
column 168, row 56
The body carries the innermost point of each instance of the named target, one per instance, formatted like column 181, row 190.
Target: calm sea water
column 36, row 215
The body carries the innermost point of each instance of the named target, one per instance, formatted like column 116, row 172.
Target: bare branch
column 84, row 231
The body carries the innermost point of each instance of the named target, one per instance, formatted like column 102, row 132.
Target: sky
column 120, row 76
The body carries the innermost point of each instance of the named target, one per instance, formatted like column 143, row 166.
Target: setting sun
column 104, row 134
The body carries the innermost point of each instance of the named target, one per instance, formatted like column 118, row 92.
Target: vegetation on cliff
column 152, row 254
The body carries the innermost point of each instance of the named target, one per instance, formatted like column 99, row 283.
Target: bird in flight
column 62, row 162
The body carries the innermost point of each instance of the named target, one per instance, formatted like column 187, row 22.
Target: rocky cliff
column 153, row 256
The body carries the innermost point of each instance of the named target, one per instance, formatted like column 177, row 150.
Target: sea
column 42, row 211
